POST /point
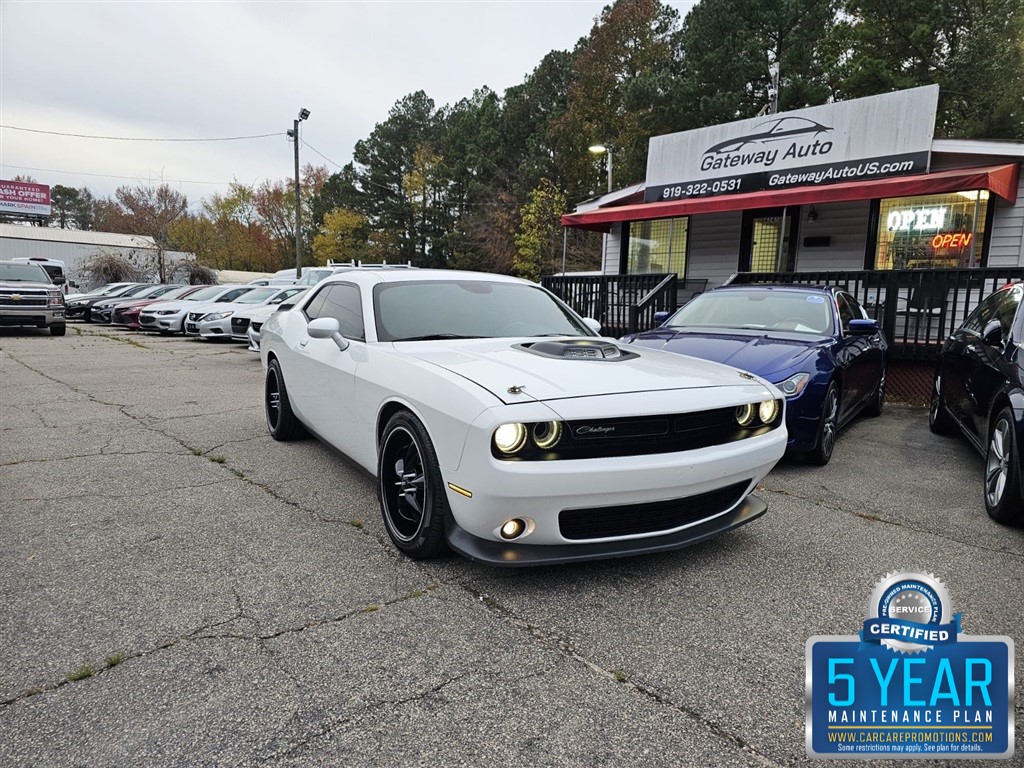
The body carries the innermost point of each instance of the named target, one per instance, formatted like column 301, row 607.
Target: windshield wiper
column 437, row 337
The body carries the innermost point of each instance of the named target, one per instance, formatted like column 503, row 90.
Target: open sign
column 952, row 240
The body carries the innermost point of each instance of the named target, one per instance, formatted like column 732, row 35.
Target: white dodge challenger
column 498, row 423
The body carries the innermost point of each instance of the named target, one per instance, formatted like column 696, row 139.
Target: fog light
column 745, row 414
column 513, row 529
column 510, row 438
column 767, row 411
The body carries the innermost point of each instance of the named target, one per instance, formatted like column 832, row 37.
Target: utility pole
column 294, row 133
column 773, row 90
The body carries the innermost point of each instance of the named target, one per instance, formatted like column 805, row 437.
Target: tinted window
column 312, row 309
column 430, row 309
column 232, row 295
column 846, row 311
column 340, row 301
column 1001, row 306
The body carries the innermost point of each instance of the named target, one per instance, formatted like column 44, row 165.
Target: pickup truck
column 29, row 297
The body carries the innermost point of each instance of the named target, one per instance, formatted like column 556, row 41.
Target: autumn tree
column 539, row 239
column 342, row 237
column 144, row 210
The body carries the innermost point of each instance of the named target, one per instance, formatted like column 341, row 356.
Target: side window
column 846, row 312
column 232, row 295
column 312, row 309
column 344, row 304
column 858, row 311
column 1001, row 305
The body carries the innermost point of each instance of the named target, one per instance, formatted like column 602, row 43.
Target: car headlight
column 767, row 411
column 794, row 385
column 509, row 439
column 546, row 434
column 215, row 316
column 168, row 312
column 758, row 414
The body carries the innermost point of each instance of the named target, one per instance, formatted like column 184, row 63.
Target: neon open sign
column 918, row 218
column 954, row 240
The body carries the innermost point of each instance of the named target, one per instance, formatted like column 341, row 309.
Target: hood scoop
column 577, row 349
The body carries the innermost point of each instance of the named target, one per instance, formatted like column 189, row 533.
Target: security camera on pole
column 293, row 133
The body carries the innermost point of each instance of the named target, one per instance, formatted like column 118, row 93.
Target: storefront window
column 658, row 247
column 931, row 231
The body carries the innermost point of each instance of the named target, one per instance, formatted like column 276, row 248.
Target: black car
column 979, row 391
column 80, row 307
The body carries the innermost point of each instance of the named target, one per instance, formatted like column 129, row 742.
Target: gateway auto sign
column 871, row 138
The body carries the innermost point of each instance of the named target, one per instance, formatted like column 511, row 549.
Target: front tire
column 58, row 329
column 410, row 490
column 281, row 420
column 1002, row 472
column 828, row 428
column 939, row 420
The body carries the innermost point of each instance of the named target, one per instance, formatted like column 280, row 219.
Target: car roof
column 372, row 276
column 780, row 287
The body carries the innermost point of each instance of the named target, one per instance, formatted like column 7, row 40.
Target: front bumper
column 162, row 323
column 212, row 329
column 38, row 315
column 513, row 555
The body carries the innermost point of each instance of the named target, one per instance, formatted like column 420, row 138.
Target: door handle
column 304, row 342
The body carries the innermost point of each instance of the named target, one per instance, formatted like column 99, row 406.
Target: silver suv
column 28, row 297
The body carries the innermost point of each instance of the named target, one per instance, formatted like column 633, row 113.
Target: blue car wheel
column 828, row 428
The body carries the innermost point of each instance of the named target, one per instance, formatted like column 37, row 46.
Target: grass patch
column 620, row 677
column 356, row 523
column 416, row 593
column 115, row 658
column 371, row 608
column 81, row 673
column 217, row 459
column 78, row 331
column 196, row 451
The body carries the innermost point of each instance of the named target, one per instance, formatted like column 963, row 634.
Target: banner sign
column 22, row 197
column 911, row 684
column 869, row 138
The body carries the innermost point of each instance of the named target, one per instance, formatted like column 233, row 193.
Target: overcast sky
column 207, row 69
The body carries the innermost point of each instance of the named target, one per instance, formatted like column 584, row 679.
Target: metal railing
column 916, row 308
column 621, row 303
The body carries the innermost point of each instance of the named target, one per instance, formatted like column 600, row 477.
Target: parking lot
column 179, row 589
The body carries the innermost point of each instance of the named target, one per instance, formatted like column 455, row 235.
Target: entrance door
column 769, row 240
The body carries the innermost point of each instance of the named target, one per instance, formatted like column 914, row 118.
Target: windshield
column 205, row 293
column 257, row 295
column 292, row 294
column 23, row 273
column 176, row 292
column 758, row 309
column 424, row 310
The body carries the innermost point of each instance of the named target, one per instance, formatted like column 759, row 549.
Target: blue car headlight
column 794, row 385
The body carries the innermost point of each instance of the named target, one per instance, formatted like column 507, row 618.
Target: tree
column 620, row 73
column 342, row 237
column 973, row 49
column 729, row 45
column 71, row 208
column 144, row 210
column 106, row 266
column 539, row 239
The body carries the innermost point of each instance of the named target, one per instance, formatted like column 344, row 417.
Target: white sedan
column 169, row 316
column 216, row 321
column 499, row 424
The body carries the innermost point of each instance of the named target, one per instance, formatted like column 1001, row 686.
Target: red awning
column 998, row 179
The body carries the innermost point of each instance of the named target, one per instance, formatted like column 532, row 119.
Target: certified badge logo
column 910, row 612
column 911, row 684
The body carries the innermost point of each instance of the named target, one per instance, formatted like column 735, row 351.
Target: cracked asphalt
column 178, row 589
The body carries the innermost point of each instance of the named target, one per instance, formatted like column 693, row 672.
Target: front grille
column 194, row 316
column 239, row 324
column 25, row 300
column 635, row 519
column 643, row 436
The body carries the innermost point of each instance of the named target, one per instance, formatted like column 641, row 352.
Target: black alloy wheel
column 828, row 428
column 281, row 420
column 1002, row 473
column 410, row 490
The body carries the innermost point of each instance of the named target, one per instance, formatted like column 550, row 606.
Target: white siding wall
column 714, row 246
column 1006, row 249
column 611, row 247
column 74, row 255
column 846, row 224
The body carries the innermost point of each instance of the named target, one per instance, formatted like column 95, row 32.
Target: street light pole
column 600, row 149
column 294, row 133
column 773, row 90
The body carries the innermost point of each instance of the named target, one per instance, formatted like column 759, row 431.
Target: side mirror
column 859, row 327
column 993, row 333
column 661, row 317
column 327, row 328
column 592, row 324
column 58, row 280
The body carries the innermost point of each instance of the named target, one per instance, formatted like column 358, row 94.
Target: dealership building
column 854, row 185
